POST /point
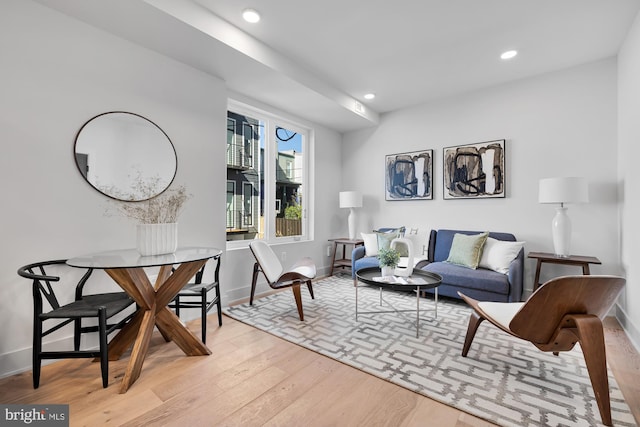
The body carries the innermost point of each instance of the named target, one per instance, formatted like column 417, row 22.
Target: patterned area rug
column 503, row 380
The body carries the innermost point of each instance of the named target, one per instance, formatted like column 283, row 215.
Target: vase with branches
column 157, row 218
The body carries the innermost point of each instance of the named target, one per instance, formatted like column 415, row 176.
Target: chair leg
column 591, row 338
column 37, row 349
column 104, row 347
column 203, row 308
column 77, row 327
column 219, row 305
column 310, row 289
column 256, row 269
column 177, row 302
column 298, row 296
column 474, row 321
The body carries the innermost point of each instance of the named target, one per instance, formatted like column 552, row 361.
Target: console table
column 344, row 261
column 126, row 268
column 577, row 260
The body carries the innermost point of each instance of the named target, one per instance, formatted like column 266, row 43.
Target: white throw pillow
column 420, row 240
column 498, row 254
column 370, row 244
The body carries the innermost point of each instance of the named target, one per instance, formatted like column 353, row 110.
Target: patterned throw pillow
column 385, row 237
column 467, row 250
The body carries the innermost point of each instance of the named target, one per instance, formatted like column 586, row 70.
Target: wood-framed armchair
column 559, row 314
column 277, row 277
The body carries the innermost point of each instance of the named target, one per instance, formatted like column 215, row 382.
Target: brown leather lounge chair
column 561, row 313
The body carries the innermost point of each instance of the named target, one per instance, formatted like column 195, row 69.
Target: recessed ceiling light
column 370, row 96
column 251, row 15
column 509, row 54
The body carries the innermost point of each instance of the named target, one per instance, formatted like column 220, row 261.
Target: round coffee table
column 419, row 280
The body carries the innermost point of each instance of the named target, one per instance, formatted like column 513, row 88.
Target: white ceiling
column 318, row 58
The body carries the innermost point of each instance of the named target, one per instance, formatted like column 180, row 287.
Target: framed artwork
column 409, row 176
column 474, row 171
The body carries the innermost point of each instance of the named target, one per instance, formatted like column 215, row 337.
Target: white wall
column 629, row 153
column 558, row 124
column 57, row 73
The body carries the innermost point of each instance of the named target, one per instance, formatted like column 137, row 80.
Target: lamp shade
column 563, row 190
column 350, row 199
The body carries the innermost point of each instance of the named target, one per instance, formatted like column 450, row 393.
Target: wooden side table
column 577, row 260
column 343, row 262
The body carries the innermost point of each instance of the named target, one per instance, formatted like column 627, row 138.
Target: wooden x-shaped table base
column 153, row 311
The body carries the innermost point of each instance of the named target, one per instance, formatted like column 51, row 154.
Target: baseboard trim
column 19, row 361
column 630, row 329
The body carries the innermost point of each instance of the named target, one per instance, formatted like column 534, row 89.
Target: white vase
column 387, row 271
column 157, row 239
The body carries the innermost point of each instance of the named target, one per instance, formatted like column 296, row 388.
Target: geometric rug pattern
column 503, row 380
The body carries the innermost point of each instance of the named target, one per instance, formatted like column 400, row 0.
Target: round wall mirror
column 125, row 156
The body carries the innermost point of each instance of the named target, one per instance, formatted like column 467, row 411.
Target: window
column 231, row 191
column 267, row 165
column 247, row 199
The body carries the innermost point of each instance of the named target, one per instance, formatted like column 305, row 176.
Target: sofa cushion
column 481, row 279
column 466, row 250
column 497, row 255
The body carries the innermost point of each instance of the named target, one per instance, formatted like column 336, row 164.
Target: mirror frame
column 75, row 157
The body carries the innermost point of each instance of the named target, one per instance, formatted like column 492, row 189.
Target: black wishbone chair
column 97, row 306
column 195, row 295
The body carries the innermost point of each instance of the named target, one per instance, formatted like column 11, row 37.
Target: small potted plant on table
column 389, row 259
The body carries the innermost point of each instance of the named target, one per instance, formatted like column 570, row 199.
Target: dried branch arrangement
column 161, row 209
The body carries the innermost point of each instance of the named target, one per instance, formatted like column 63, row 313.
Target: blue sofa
column 481, row 283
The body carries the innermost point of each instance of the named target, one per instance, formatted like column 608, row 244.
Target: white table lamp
column 351, row 200
column 562, row 190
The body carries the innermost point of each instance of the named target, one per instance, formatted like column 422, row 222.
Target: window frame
column 271, row 121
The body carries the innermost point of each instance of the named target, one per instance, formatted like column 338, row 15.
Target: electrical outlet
column 328, row 250
column 283, row 257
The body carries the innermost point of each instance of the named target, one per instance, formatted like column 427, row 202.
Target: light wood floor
column 255, row 379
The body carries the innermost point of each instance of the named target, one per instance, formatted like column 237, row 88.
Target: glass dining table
column 127, row 268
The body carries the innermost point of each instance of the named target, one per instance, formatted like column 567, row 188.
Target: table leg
column 333, row 260
column 355, row 284
column 183, row 337
column 435, row 293
column 153, row 311
column 536, row 280
column 139, row 351
column 123, row 339
column 417, row 311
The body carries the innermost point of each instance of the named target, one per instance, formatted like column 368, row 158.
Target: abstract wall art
column 474, row 171
column 409, row 176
